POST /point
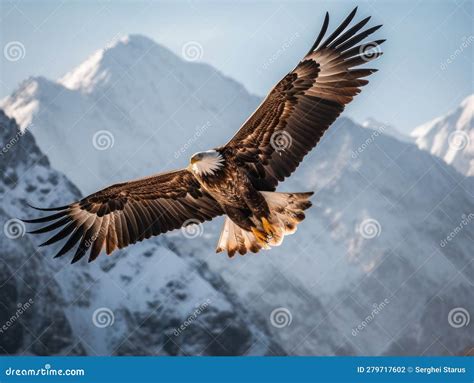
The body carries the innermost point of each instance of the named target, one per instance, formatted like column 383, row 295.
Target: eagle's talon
column 261, row 237
column 270, row 232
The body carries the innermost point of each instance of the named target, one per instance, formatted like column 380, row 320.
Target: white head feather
column 206, row 163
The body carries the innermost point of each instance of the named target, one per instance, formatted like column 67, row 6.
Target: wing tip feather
column 57, row 208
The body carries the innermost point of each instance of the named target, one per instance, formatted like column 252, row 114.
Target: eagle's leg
column 261, row 237
column 261, row 227
column 268, row 227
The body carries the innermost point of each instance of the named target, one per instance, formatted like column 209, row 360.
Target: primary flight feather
column 239, row 179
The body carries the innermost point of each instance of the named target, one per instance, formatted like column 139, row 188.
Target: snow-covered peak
column 139, row 41
column 459, row 119
column 117, row 56
column 83, row 76
column 156, row 107
column 451, row 137
column 32, row 87
column 24, row 103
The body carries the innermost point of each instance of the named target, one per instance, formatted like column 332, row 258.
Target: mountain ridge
column 451, row 137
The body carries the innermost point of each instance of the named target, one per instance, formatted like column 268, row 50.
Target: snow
column 330, row 276
column 138, row 91
column 160, row 109
column 451, row 137
column 146, row 283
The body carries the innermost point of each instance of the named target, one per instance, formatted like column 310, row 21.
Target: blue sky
column 426, row 70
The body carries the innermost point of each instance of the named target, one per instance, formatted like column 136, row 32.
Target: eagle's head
column 206, row 163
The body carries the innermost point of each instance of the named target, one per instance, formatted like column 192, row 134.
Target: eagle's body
column 220, row 180
column 241, row 201
column 248, row 209
column 238, row 179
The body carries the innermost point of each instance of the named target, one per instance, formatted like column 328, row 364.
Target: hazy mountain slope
column 451, row 137
column 385, row 128
column 127, row 99
column 133, row 303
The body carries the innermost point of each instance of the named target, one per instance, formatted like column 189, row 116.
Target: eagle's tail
column 287, row 211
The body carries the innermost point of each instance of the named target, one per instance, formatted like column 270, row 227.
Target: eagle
column 239, row 179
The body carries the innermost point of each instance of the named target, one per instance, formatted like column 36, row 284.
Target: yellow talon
column 260, row 236
column 268, row 228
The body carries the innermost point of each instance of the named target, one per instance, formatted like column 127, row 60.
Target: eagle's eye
column 195, row 158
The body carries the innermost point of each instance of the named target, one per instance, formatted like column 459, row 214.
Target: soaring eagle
column 238, row 179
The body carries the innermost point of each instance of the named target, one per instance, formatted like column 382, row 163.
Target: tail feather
column 287, row 211
column 234, row 239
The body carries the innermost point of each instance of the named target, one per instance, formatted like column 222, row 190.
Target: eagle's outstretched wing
column 302, row 106
column 125, row 213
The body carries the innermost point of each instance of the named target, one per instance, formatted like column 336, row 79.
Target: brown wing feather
column 302, row 106
column 129, row 212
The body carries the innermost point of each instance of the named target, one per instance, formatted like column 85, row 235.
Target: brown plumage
column 130, row 212
column 305, row 103
column 239, row 178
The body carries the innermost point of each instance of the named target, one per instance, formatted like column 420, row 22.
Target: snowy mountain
column 451, row 137
column 122, row 102
column 385, row 128
column 378, row 266
column 381, row 260
column 147, row 300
